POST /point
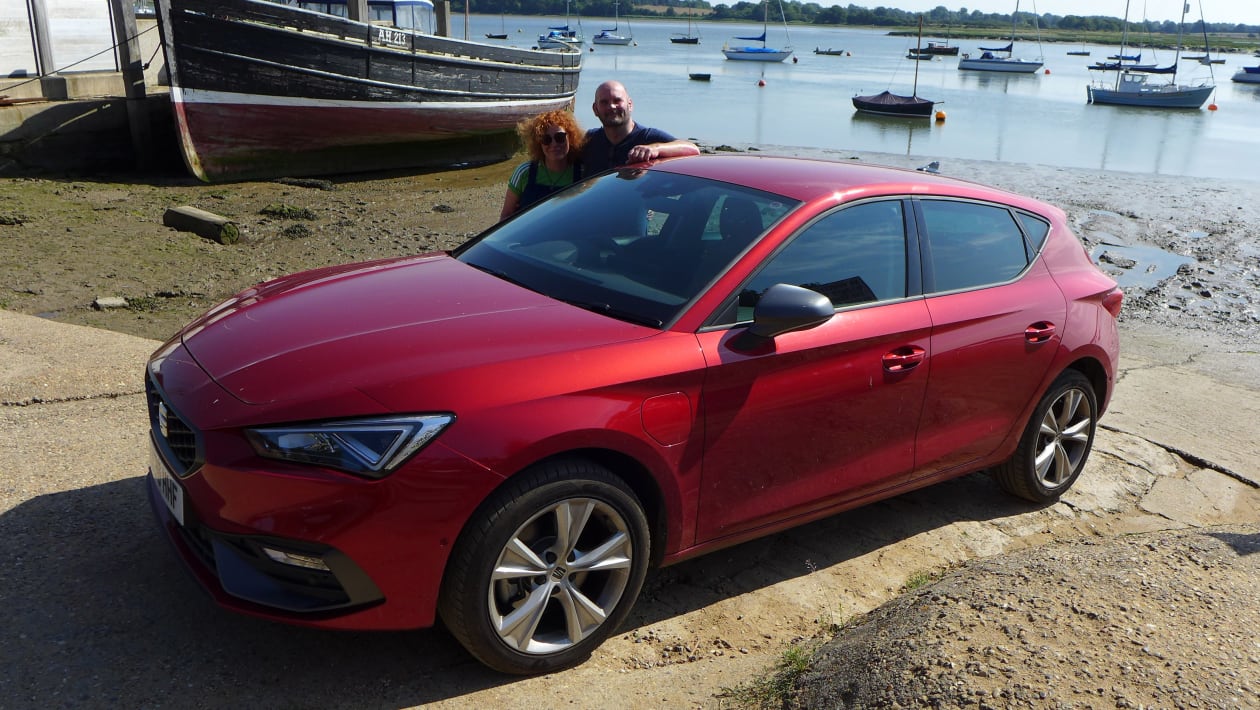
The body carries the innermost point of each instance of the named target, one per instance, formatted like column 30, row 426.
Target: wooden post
column 442, row 18
column 357, row 10
column 126, row 36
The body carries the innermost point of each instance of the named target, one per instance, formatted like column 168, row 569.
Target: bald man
column 620, row 141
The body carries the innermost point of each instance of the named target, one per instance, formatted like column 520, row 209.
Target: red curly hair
column 531, row 131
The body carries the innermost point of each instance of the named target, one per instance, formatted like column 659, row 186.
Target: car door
column 827, row 414
column 996, row 316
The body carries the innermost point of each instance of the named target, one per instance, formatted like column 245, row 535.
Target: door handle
column 1039, row 332
column 904, row 358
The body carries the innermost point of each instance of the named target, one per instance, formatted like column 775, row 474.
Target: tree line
column 813, row 13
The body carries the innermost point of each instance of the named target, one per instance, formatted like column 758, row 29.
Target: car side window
column 1036, row 229
column 852, row 256
column 971, row 244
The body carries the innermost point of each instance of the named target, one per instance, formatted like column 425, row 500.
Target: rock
column 107, row 302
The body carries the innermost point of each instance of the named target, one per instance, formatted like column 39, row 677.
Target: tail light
column 1112, row 301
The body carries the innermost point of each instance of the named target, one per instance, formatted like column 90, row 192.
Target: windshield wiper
column 500, row 275
column 606, row 309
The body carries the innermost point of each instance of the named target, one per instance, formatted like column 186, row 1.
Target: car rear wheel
column 548, row 567
column 1056, row 442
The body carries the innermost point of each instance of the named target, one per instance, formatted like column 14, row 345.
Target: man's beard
column 615, row 119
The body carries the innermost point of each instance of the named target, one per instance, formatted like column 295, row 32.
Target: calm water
column 1035, row 118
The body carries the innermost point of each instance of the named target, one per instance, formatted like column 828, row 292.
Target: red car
column 650, row 365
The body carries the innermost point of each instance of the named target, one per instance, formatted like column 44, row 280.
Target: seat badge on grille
column 163, row 426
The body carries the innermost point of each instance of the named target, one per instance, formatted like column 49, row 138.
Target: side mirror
column 784, row 308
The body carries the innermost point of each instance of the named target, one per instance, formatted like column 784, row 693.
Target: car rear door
column 996, row 324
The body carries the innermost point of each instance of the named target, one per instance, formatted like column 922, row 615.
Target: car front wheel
column 1056, row 442
column 547, row 569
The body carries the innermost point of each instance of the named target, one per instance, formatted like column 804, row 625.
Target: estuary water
column 1040, row 118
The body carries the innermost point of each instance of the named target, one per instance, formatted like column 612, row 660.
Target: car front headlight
column 366, row 447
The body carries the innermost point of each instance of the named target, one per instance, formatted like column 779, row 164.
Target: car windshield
column 633, row 244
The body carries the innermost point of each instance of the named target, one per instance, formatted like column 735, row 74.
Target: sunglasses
column 560, row 137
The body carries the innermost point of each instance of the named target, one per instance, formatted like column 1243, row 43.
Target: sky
column 1246, row 12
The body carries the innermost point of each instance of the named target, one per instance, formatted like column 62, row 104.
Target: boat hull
column 756, row 54
column 889, row 104
column 1152, row 97
column 617, row 40
column 1248, row 75
column 262, row 90
column 1010, row 66
column 685, row 40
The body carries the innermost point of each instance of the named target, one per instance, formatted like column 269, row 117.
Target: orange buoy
column 1211, row 107
column 1047, row 71
column 761, row 82
column 940, row 116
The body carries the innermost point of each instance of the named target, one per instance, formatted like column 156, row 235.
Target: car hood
column 367, row 327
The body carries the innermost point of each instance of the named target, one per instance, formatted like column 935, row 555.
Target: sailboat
column 562, row 36
column 1247, row 75
column 887, row 103
column 502, row 33
column 610, row 36
column 763, row 53
column 1132, row 88
column 989, row 61
column 688, row 38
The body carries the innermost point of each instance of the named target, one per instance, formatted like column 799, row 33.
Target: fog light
column 296, row 560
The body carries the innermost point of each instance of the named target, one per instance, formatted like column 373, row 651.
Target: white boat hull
column 756, row 54
column 611, row 39
column 1247, row 77
column 1010, row 66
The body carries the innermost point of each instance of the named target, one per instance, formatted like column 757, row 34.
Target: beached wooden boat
column 262, row 90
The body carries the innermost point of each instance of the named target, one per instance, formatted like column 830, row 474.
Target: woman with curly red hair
column 554, row 143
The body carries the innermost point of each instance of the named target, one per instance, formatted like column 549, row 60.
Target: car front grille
column 179, row 442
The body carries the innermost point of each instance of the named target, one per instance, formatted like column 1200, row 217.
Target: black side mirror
column 784, row 308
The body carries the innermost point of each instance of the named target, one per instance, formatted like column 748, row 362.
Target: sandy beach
column 1134, row 590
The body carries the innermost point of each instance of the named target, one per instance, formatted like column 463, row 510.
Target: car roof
column 811, row 179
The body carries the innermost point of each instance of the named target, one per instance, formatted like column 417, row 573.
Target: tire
column 1055, row 444
column 524, row 597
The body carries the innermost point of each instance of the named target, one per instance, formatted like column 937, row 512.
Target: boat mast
column 765, row 21
column 1014, row 23
column 1124, row 41
column 918, row 47
column 1185, row 7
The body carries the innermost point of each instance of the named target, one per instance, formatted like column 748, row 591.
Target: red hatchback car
column 652, row 364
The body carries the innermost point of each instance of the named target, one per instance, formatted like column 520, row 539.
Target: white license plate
column 167, row 487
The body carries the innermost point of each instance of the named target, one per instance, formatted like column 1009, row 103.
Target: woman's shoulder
column 521, row 171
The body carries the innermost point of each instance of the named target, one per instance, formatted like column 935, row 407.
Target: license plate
column 167, row 487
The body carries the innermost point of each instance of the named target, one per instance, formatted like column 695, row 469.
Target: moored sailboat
column 1247, row 75
column 610, row 35
column 887, row 103
column 990, row 61
column 1132, row 85
column 562, row 36
column 763, row 53
column 688, row 38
